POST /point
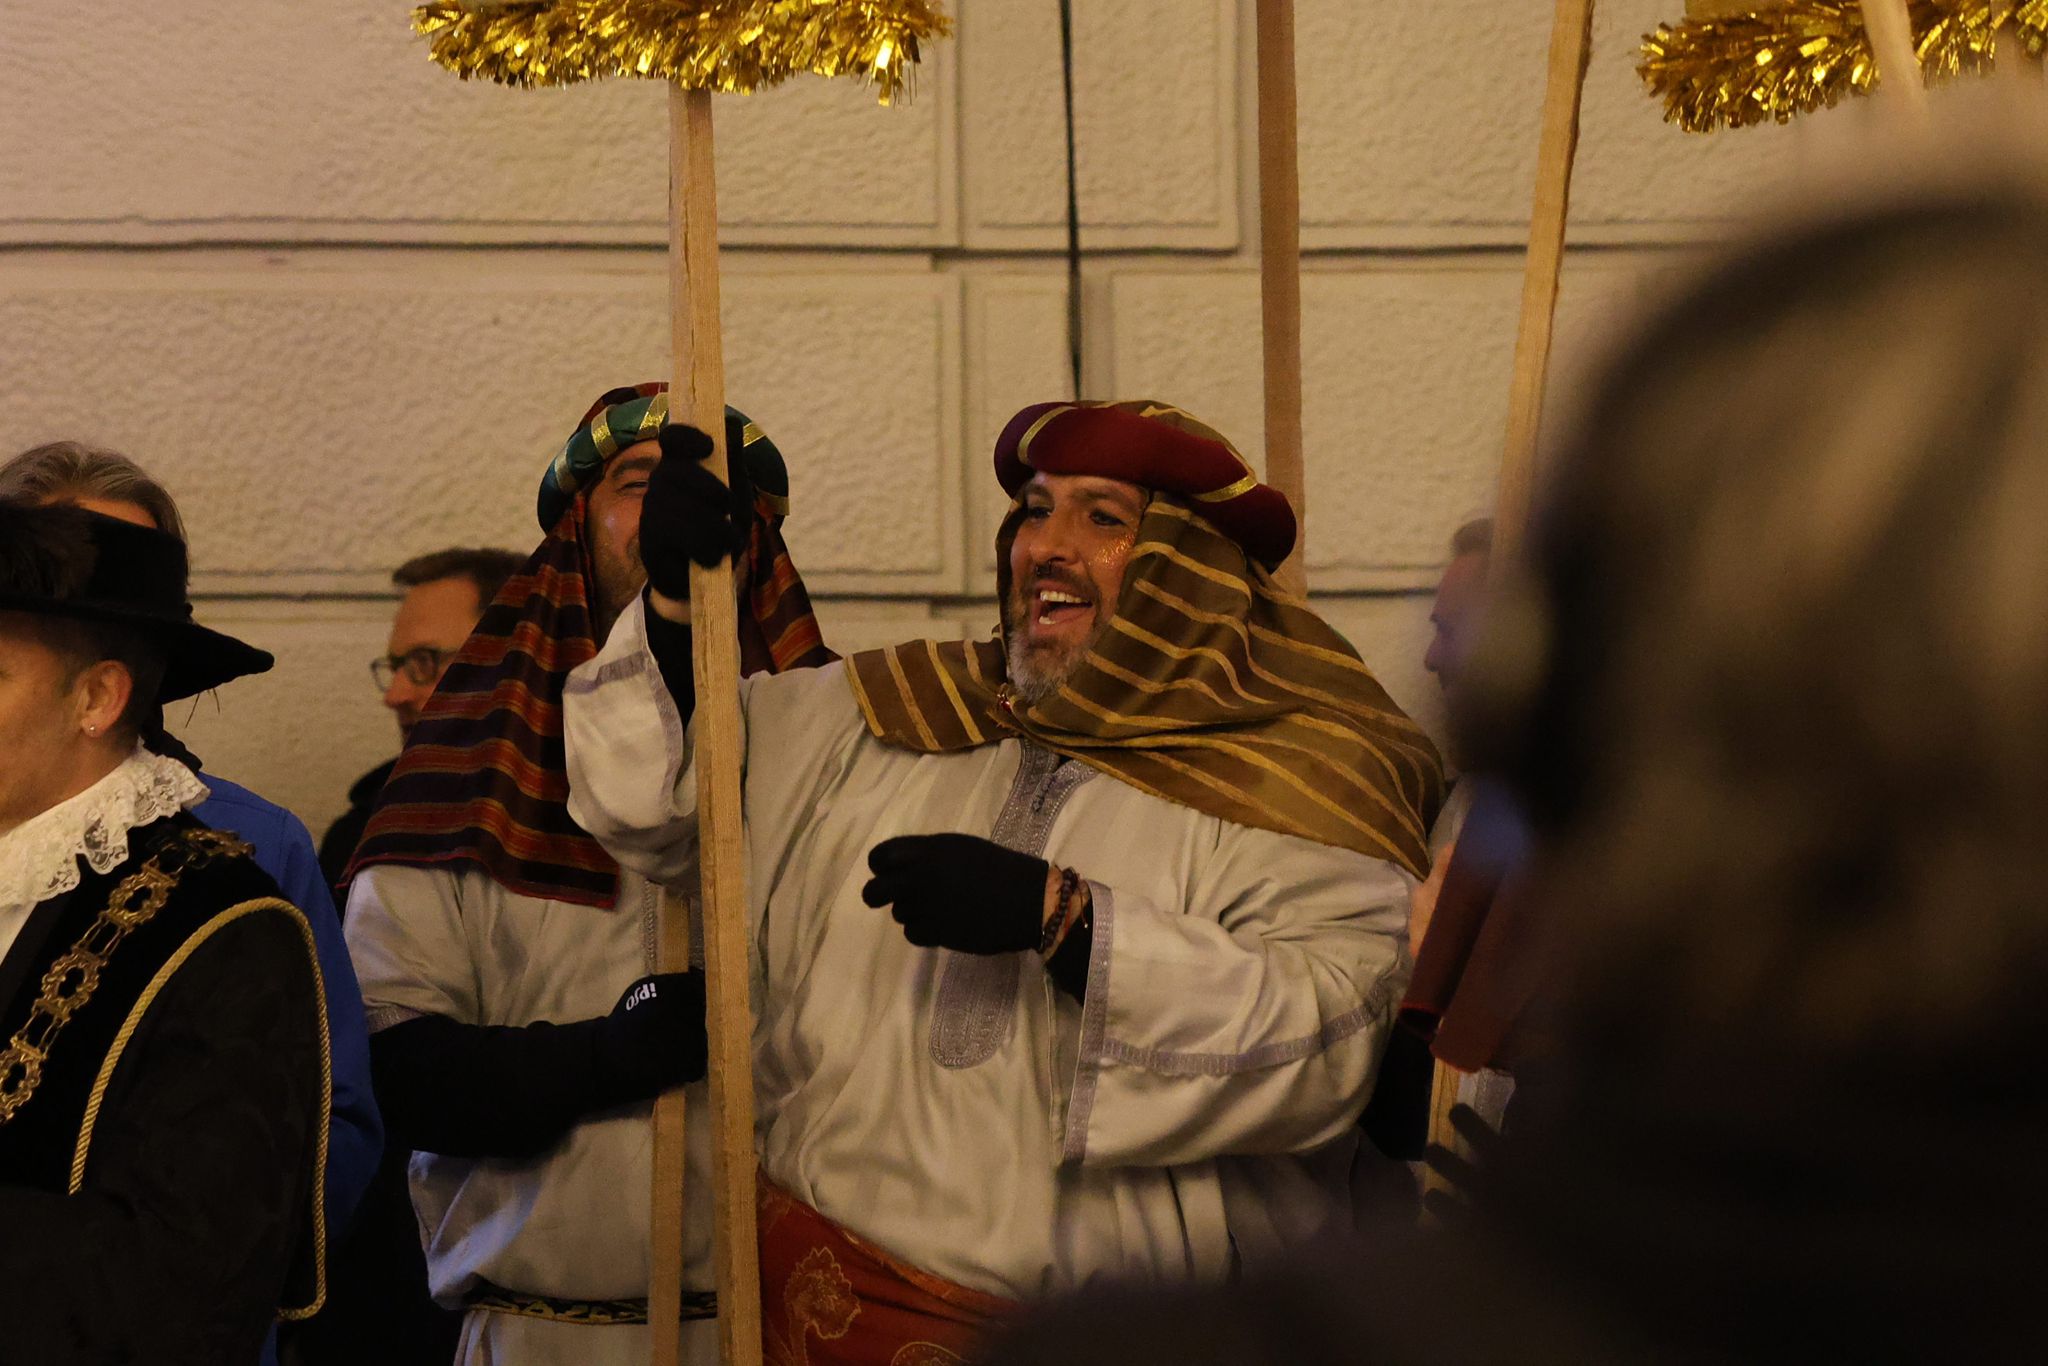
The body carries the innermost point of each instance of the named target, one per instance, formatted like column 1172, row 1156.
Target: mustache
column 1053, row 578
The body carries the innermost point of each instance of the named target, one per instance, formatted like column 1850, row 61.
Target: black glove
column 512, row 1091
column 654, row 1038
column 688, row 514
column 959, row 892
column 670, row 642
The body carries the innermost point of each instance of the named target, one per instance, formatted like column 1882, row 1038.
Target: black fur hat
column 66, row 562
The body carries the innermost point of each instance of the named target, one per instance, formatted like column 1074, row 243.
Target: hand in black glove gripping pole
column 689, row 514
column 959, row 892
column 654, row 1037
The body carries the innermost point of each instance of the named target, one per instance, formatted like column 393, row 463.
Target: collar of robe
column 41, row 857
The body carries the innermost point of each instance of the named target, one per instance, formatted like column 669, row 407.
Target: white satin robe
column 1197, row 1114
column 574, row 1222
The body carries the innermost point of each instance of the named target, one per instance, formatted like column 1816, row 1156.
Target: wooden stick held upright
column 1899, row 79
column 1571, row 48
column 1280, row 271
column 665, row 1282
column 697, row 396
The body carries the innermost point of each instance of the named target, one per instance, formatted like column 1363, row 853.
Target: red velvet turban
column 1158, row 447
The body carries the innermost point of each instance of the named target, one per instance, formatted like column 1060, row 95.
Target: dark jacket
column 378, row 1306
column 338, row 845
column 160, row 1168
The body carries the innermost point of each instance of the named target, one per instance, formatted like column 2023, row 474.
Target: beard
column 619, row 578
column 1036, row 673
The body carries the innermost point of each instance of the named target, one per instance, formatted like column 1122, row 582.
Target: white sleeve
column 405, row 937
column 631, row 781
column 1249, row 1022
column 632, row 759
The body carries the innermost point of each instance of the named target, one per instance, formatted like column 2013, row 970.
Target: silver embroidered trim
column 1376, row 1009
column 584, row 679
column 652, row 895
column 977, row 1002
column 380, row 1018
column 1094, row 1024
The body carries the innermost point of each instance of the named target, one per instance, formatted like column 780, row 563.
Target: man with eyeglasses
column 445, row 592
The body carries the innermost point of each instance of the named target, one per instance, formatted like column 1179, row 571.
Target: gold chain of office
column 72, row 978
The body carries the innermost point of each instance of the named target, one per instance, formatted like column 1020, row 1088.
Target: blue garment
column 355, row 1137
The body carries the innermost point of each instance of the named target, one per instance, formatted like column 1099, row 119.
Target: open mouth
column 1052, row 606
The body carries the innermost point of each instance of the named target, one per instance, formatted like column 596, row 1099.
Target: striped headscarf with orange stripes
column 483, row 781
column 1211, row 687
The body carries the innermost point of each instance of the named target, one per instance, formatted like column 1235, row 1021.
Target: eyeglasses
column 422, row 666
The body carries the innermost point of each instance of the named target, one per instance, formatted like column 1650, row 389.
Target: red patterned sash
column 830, row 1298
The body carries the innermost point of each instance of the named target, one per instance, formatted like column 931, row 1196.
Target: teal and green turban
column 464, row 791
column 626, row 417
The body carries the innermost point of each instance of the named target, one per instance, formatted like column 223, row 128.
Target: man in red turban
column 1145, row 859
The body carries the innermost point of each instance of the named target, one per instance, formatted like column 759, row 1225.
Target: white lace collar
column 39, row 858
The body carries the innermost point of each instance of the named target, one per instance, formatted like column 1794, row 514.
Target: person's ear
column 99, row 696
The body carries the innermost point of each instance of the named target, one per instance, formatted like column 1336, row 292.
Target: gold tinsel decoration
column 1807, row 54
column 729, row 46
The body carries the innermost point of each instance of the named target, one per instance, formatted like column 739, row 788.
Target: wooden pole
column 1900, row 81
column 1571, row 46
column 697, row 396
column 665, row 1284
column 1280, row 271
column 1443, row 1095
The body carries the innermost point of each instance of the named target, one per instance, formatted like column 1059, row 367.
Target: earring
column 92, row 730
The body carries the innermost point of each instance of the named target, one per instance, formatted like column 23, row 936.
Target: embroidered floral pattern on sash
column 831, row 1298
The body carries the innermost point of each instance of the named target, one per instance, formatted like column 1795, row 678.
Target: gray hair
column 72, row 469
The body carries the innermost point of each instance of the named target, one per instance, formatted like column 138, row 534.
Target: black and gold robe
column 163, row 1111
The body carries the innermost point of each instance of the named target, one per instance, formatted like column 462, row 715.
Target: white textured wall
column 347, row 306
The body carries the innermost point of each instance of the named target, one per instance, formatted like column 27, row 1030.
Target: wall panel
column 274, row 120
column 1405, row 381
column 1017, row 354
column 1155, row 123
column 1419, row 128
column 324, row 420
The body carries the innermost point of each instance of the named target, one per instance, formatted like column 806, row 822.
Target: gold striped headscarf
column 1211, row 687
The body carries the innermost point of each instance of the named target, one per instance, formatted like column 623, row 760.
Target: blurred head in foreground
column 1773, row 684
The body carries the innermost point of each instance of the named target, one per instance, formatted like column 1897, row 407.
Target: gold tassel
column 1805, row 55
column 730, row 46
